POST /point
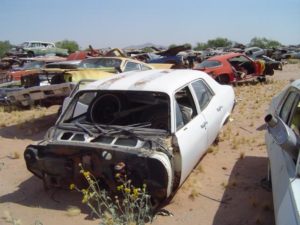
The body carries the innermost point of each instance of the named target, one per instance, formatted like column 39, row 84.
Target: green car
column 39, row 48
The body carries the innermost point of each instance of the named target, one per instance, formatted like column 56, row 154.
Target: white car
column 152, row 125
column 282, row 140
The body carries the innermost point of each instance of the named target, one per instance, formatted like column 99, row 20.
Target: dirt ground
column 224, row 189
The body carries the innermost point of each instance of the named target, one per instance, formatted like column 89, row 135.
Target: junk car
column 137, row 125
column 283, row 145
column 50, row 86
column 36, row 48
column 232, row 67
column 120, row 64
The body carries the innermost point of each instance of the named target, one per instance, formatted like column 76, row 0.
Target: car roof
column 120, row 58
column 166, row 81
column 43, row 42
column 225, row 56
column 114, row 57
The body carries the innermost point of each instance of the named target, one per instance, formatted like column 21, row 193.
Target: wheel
column 261, row 79
column 30, row 54
column 223, row 79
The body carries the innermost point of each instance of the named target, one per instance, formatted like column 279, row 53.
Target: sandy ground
column 224, row 189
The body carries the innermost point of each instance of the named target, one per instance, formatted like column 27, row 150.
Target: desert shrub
column 131, row 206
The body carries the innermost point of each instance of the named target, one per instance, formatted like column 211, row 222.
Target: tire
column 30, row 54
column 223, row 79
column 261, row 79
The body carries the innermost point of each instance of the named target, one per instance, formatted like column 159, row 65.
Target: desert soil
column 224, row 189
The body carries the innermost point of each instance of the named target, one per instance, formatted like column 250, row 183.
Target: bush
column 4, row 47
column 132, row 206
column 72, row 46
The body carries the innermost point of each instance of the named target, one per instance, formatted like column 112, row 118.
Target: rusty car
column 136, row 125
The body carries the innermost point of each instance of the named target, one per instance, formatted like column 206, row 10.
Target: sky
column 121, row 23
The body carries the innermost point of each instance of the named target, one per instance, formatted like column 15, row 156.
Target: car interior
column 242, row 65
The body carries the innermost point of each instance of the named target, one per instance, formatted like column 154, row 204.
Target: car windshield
column 24, row 44
column 208, row 64
column 122, row 108
column 100, row 63
column 33, row 65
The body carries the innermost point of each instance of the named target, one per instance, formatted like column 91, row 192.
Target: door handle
column 219, row 108
column 203, row 125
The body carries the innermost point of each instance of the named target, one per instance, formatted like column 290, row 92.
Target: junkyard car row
column 151, row 116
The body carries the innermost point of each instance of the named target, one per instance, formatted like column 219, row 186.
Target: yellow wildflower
column 120, row 187
column 127, row 190
column 86, row 174
column 72, row 186
column 135, row 192
column 85, row 199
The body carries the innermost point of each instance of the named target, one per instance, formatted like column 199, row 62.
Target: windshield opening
column 123, row 108
column 100, row 63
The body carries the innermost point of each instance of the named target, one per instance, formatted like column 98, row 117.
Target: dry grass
column 16, row 116
column 73, row 211
column 194, row 194
column 14, row 155
column 242, row 155
column 8, row 218
column 213, row 149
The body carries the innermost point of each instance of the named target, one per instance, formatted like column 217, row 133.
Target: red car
column 232, row 67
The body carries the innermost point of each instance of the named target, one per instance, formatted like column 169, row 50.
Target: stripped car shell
column 136, row 125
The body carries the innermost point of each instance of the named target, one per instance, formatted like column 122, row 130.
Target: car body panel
column 283, row 167
column 192, row 148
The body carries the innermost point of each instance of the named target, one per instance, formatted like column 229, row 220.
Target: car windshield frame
column 100, row 63
column 69, row 117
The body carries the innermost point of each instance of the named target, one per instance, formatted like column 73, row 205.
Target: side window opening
column 287, row 107
column 295, row 118
column 185, row 107
column 203, row 93
column 131, row 66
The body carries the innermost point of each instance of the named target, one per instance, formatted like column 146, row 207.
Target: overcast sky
column 119, row 23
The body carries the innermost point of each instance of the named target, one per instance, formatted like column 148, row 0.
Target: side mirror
column 283, row 135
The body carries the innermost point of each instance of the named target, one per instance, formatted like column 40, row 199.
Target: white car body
column 284, row 167
column 185, row 110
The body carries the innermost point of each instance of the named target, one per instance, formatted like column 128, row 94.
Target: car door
column 190, row 132
column 211, row 108
column 283, row 166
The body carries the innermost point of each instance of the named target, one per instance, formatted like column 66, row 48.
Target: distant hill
column 145, row 45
